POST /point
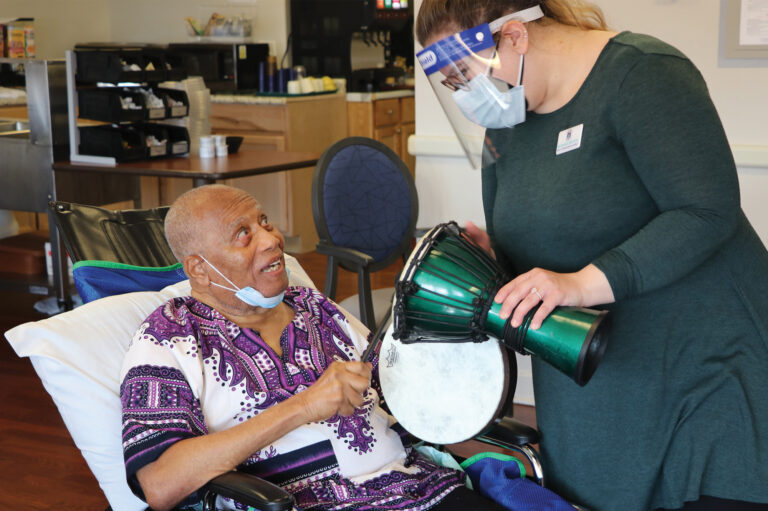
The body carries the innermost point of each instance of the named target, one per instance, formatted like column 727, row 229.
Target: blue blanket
column 97, row 279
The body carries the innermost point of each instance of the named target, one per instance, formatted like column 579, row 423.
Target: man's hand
column 339, row 390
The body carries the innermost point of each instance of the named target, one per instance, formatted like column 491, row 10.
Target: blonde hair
column 438, row 16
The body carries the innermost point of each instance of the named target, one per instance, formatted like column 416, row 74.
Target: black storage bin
column 175, row 96
column 178, row 140
column 124, row 143
column 174, row 69
column 107, row 66
column 157, row 71
column 104, row 104
column 153, row 113
column 160, row 132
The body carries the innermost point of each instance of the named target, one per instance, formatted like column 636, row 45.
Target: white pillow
column 78, row 356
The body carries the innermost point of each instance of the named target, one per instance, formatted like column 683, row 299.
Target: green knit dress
column 679, row 405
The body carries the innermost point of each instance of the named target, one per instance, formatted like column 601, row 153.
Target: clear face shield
column 464, row 71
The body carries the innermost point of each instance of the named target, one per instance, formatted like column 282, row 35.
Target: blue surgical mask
column 248, row 294
column 485, row 105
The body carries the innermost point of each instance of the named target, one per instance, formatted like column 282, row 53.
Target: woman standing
column 608, row 180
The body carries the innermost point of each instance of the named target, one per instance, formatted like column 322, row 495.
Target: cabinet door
column 389, row 136
column 386, row 112
column 407, row 110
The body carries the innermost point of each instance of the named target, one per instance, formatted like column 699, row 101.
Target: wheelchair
column 78, row 355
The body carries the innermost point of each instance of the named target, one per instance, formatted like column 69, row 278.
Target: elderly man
column 249, row 373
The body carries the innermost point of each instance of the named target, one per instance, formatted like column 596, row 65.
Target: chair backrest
column 116, row 251
column 364, row 197
column 133, row 236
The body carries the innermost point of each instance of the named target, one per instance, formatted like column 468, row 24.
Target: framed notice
column 746, row 29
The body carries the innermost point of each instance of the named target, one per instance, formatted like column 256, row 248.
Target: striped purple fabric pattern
column 190, row 371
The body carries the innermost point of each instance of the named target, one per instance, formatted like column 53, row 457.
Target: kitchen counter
column 366, row 97
column 12, row 97
column 254, row 99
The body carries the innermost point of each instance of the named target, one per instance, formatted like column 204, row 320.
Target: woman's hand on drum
column 339, row 390
column 480, row 237
column 584, row 288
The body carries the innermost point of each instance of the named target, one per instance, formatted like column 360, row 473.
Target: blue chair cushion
column 97, row 279
column 501, row 478
column 367, row 201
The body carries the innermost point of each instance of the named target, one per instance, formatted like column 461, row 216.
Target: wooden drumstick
column 372, row 349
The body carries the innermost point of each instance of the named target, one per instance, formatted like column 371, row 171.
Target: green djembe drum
column 445, row 294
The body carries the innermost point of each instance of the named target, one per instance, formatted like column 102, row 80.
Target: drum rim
column 406, row 280
column 589, row 361
column 506, row 401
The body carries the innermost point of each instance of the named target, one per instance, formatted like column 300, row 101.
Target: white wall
column 59, row 24
column 162, row 21
column 449, row 189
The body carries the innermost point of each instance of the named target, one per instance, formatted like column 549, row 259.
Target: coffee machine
column 322, row 32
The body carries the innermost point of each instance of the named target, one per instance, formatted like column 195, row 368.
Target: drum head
column 445, row 392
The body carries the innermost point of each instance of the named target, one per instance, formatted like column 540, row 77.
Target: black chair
column 365, row 207
column 128, row 236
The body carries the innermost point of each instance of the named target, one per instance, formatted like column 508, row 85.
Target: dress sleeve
column 159, row 406
column 674, row 139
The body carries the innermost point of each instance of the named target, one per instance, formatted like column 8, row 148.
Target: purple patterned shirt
column 190, row 371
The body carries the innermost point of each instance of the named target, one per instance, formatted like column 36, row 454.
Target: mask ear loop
column 520, row 71
column 236, row 289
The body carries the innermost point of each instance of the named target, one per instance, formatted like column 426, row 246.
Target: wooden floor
column 40, row 467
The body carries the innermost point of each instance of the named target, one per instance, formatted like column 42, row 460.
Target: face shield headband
column 460, row 69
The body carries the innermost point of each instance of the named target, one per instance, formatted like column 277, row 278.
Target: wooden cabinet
column 390, row 120
column 307, row 123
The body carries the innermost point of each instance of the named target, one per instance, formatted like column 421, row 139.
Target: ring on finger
column 537, row 293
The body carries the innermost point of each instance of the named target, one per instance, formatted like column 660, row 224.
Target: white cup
column 206, row 141
column 207, row 151
column 220, row 140
column 307, row 85
column 221, row 150
column 294, row 87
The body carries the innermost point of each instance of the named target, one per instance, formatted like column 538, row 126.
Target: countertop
column 252, row 99
column 12, row 96
column 357, row 97
column 364, row 97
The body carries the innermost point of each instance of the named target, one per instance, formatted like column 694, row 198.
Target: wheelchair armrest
column 509, row 431
column 250, row 490
column 354, row 257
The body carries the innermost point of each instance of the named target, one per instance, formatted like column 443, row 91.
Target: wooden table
column 246, row 162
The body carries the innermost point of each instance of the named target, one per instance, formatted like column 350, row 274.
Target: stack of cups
column 206, row 147
column 221, row 145
column 215, row 145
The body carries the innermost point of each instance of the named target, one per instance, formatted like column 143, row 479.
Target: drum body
column 446, row 393
column 445, row 294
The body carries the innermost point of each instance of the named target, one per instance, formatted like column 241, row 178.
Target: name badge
column 569, row 139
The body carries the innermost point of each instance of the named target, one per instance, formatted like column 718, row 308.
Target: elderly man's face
column 244, row 246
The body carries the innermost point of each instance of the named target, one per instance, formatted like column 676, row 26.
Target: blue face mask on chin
column 248, row 294
column 485, row 105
